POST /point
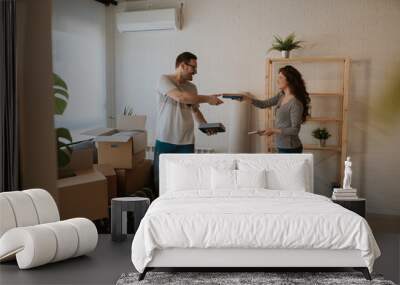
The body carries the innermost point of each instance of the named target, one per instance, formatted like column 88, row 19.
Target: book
column 341, row 190
column 218, row 127
column 345, row 198
column 233, row 97
column 345, row 194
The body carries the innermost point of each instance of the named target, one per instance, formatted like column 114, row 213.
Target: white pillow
column 281, row 174
column 251, row 178
column 235, row 179
column 182, row 177
column 223, row 179
column 187, row 175
column 291, row 179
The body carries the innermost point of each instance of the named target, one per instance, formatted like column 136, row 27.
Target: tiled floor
column 110, row 260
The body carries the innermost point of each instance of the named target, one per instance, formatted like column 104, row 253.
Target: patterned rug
column 243, row 278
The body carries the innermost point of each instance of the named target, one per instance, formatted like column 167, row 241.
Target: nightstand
column 355, row 205
column 119, row 207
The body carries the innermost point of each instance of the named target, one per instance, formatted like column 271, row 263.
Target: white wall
column 231, row 37
column 79, row 57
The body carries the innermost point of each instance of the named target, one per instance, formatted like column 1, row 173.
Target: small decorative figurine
column 347, row 174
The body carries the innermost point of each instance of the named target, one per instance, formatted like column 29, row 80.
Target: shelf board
column 318, row 147
column 322, row 94
column 323, row 119
column 308, row 59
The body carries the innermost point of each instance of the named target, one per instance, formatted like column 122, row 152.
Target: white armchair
column 31, row 230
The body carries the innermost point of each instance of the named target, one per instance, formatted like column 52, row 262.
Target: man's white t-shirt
column 175, row 123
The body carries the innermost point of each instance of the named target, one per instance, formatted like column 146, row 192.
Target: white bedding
column 251, row 218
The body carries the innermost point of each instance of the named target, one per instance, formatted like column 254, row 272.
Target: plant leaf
column 63, row 133
column 63, row 158
column 59, row 82
column 290, row 38
column 288, row 43
column 60, row 92
column 63, row 150
column 60, row 106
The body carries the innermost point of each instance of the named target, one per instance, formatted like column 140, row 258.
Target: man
column 178, row 103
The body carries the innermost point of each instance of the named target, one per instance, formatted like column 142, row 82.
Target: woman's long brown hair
column 297, row 87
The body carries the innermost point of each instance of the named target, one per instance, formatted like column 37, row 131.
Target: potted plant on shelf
column 322, row 135
column 285, row 45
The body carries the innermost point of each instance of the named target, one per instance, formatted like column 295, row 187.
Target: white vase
column 285, row 53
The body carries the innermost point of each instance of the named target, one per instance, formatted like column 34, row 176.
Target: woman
column 290, row 112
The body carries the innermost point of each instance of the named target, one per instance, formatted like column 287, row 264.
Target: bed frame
column 246, row 259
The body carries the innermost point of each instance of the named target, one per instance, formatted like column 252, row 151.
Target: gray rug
column 242, row 278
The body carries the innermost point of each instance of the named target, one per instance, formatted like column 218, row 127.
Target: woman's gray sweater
column 288, row 118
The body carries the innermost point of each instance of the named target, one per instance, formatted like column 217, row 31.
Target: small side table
column 355, row 205
column 119, row 208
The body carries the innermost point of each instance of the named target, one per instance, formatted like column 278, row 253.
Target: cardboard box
column 109, row 172
column 119, row 148
column 80, row 159
column 84, row 195
column 129, row 123
column 132, row 180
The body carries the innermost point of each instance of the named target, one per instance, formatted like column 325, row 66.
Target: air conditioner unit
column 147, row 20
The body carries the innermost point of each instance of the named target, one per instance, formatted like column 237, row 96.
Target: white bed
column 215, row 211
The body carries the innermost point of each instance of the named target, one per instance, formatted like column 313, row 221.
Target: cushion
column 45, row 205
column 7, row 220
column 23, row 208
column 40, row 244
column 223, row 179
column 281, row 174
column 291, row 179
column 185, row 175
column 236, row 179
column 251, row 178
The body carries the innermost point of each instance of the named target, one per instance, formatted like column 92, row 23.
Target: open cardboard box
column 80, row 159
column 130, row 123
column 119, row 148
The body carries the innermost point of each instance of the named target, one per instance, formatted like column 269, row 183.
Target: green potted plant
column 285, row 45
column 63, row 136
column 322, row 135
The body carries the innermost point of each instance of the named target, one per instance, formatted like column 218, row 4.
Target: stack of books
column 344, row 194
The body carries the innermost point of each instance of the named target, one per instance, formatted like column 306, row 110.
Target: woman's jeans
column 290, row 150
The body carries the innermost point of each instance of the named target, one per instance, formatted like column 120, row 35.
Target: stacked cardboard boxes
column 132, row 180
column 109, row 172
column 124, row 149
column 84, row 192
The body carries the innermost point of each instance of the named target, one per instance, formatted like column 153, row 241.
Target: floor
column 103, row 266
column 110, row 260
column 386, row 230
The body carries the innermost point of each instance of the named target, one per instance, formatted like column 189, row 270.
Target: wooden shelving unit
column 342, row 95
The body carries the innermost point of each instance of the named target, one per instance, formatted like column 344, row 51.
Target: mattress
column 250, row 219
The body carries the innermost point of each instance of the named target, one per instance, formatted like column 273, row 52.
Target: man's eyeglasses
column 192, row 66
